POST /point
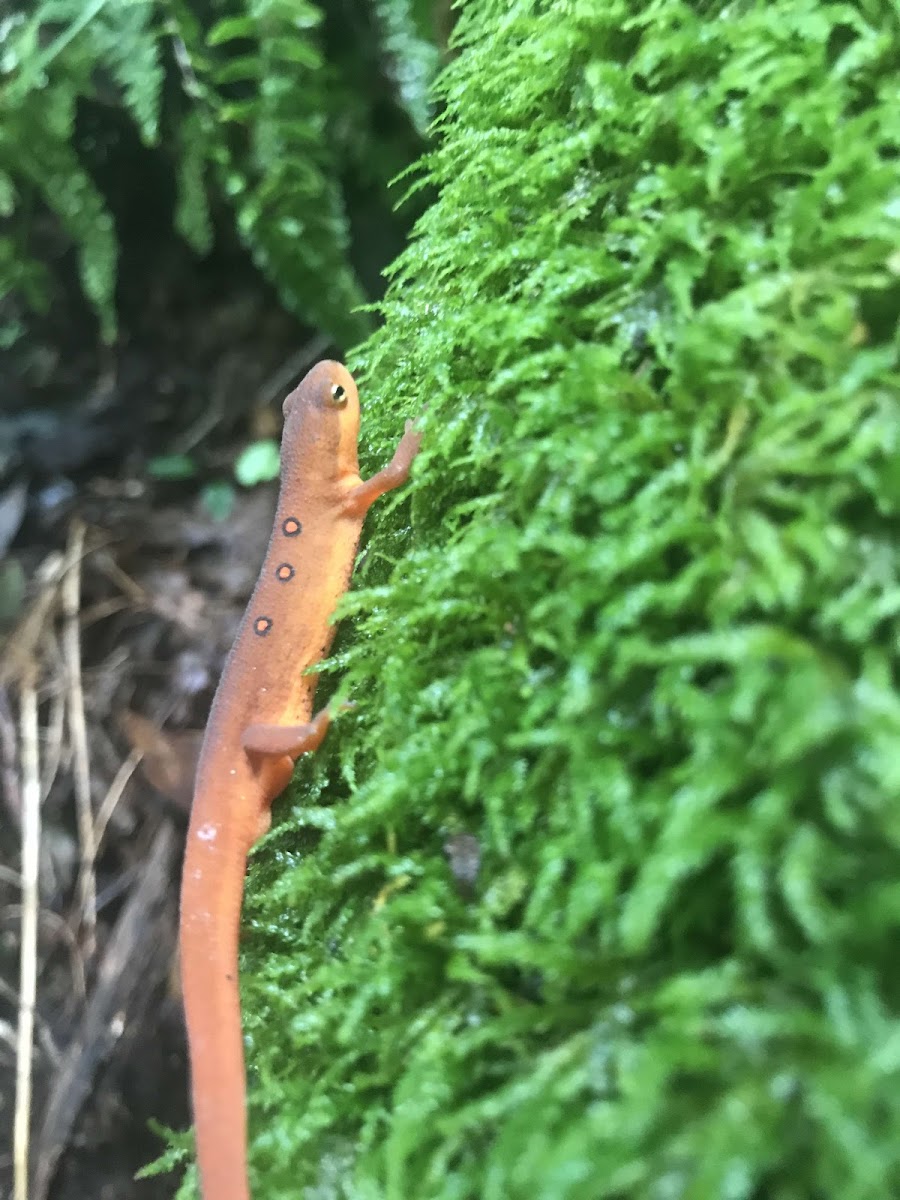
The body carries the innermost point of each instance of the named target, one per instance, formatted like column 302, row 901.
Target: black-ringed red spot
column 285, row 573
column 291, row 527
column 262, row 625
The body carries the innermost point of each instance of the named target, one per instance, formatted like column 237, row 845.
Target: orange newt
column 261, row 721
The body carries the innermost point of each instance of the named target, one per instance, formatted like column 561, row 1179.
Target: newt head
column 322, row 414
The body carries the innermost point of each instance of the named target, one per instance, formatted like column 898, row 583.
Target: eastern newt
column 260, row 722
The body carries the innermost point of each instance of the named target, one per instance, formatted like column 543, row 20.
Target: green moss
column 639, row 637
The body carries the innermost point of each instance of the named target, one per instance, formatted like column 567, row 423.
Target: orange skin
column 259, row 724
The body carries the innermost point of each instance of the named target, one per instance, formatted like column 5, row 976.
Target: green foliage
column 641, row 640
column 258, row 463
column 180, row 1145
column 245, row 122
column 262, row 103
column 40, row 85
column 218, row 500
column 172, row 466
column 412, row 55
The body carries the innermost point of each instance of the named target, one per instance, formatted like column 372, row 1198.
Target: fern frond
column 256, row 125
column 412, row 56
column 43, row 77
column 125, row 38
column 192, row 216
column 37, row 158
column 261, row 88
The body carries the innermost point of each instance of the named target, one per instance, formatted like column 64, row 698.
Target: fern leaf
column 192, row 217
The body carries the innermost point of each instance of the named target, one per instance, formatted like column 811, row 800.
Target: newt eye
column 338, row 395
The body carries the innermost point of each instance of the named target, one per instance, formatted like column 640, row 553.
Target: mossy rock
column 636, row 632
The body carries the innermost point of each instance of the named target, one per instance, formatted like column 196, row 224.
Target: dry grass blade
column 114, row 795
column 9, row 775
column 81, row 769
column 21, row 645
column 31, row 835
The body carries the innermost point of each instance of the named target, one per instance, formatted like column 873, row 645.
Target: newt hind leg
column 273, row 750
column 274, row 775
column 274, row 741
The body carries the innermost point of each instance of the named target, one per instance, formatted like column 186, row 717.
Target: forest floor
column 127, row 554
